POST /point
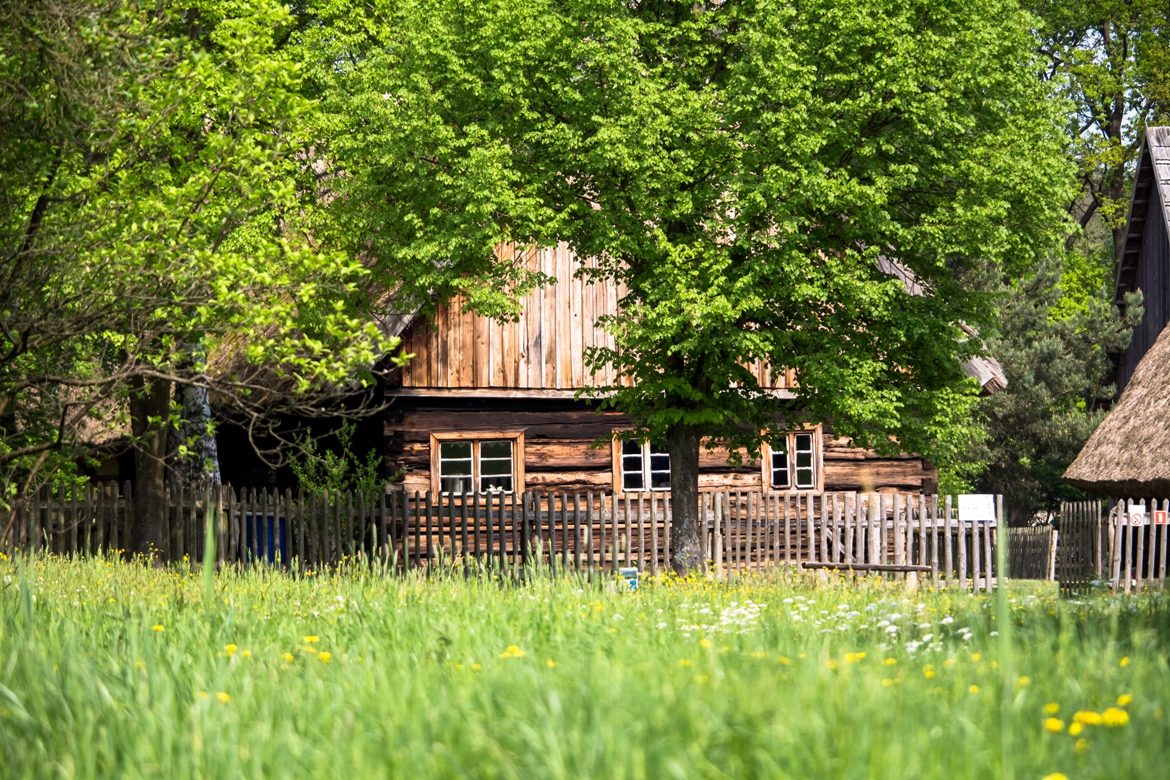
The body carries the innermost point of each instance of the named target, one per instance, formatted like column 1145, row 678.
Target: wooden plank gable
column 544, row 349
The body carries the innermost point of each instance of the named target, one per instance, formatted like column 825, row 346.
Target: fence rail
column 899, row 535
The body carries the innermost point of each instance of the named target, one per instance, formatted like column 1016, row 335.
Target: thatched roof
column 1129, row 454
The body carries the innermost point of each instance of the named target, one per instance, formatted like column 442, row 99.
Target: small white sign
column 1137, row 516
column 977, row 508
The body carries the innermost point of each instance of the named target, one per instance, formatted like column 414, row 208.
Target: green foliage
column 1054, row 354
column 416, row 678
column 339, row 469
column 1111, row 60
column 156, row 204
column 744, row 170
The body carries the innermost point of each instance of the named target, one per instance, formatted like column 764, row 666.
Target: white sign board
column 1137, row 515
column 979, row 508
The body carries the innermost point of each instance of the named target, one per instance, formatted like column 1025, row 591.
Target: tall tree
column 1053, row 344
column 767, row 179
column 1111, row 60
column 158, row 183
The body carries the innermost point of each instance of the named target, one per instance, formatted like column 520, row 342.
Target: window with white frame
column 477, row 465
column 794, row 462
column 644, row 466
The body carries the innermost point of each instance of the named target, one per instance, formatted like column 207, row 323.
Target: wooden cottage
column 1144, row 263
column 492, row 405
column 1129, row 454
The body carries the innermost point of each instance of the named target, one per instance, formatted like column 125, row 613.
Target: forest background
column 170, row 236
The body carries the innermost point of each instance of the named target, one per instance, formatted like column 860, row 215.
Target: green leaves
column 809, row 186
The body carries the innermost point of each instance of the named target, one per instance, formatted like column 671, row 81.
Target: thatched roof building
column 1129, row 454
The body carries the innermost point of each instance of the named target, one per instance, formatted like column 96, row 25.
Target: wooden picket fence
column 1031, row 553
column 899, row 535
column 1137, row 552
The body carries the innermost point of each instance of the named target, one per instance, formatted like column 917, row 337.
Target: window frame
column 476, row 438
column 619, row 488
column 818, row 460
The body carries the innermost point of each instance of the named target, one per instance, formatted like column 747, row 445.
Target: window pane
column 780, row 470
column 659, row 468
column 455, row 467
column 455, row 484
column 805, row 472
column 496, row 449
column 455, row 450
column 495, row 466
column 496, row 484
column 633, row 477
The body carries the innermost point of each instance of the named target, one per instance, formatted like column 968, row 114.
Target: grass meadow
column 110, row 669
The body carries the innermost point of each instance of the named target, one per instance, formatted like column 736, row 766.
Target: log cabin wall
column 559, row 454
column 473, row 374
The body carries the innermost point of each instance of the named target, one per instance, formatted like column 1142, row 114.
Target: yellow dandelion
column 890, row 661
column 1055, row 776
column 1088, row 717
column 476, row 667
column 222, row 697
column 973, row 689
column 1075, row 729
column 1081, row 745
column 1024, row 681
column 246, row 654
column 1114, row 717
column 1054, row 725
column 783, row 659
column 701, row 678
column 310, row 639
column 229, row 649
column 325, row 657
column 1125, row 661
column 288, row 658
column 202, row 694
column 976, row 656
column 887, row 682
column 1124, row 700
column 759, row 654
column 704, row 643
column 1051, row 708
column 685, row 662
column 550, row 663
column 157, row 628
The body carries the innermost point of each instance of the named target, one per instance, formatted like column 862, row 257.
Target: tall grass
column 110, row 669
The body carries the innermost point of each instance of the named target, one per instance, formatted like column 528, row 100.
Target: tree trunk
column 149, row 413
column 685, row 553
column 200, row 468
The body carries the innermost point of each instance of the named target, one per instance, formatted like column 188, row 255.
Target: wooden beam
column 864, row 567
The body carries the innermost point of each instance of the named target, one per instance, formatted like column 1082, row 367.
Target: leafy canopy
column 756, row 175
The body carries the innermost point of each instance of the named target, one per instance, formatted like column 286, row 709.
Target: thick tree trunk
column 685, row 553
column 149, row 413
column 200, row 468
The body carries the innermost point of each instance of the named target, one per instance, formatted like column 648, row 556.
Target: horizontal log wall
column 559, row 452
